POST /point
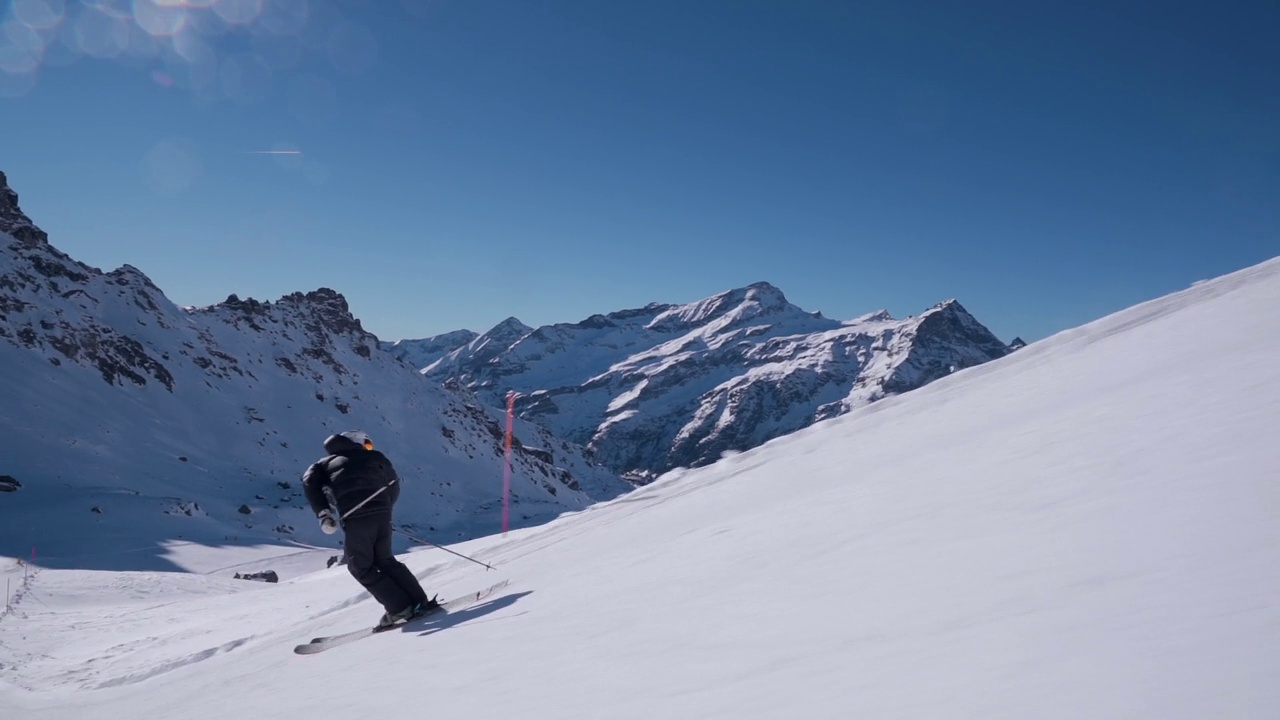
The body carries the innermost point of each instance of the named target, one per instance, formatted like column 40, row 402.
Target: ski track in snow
column 125, row 607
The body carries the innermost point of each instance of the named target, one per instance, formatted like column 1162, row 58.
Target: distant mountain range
column 155, row 422
column 670, row 385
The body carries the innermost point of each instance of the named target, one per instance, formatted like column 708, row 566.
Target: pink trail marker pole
column 506, row 470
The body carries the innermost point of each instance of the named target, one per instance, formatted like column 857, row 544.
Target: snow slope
column 1087, row 528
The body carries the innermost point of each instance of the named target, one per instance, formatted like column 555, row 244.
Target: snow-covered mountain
column 119, row 407
column 666, row 385
column 421, row 353
column 1086, row 528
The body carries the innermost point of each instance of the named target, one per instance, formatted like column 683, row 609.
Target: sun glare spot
column 40, row 14
column 238, row 12
column 159, row 18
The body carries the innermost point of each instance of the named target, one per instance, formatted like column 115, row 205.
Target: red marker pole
column 506, row 471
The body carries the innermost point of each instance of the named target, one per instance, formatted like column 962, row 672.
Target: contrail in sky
column 274, row 152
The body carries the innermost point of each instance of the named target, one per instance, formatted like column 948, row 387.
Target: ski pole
column 428, row 542
column 362, row 502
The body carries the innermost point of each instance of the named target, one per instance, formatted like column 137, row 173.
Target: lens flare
column 238, row 12
column 242, row 51
column 101, row 33
column 40, row 14
column 158, row 18
column 21, row 48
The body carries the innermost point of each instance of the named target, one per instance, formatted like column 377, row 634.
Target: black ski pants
column 372, row 564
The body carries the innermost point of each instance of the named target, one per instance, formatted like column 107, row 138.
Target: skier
column 359, row 480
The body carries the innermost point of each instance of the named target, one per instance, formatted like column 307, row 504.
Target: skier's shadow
column 433, row 624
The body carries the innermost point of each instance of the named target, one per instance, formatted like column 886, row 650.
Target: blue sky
column 1045, row 163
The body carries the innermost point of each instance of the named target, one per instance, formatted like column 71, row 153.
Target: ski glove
column 327, row 523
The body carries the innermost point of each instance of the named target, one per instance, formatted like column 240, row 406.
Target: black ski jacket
column 350, row 474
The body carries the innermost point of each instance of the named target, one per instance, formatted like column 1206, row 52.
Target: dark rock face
column 946, row 339
column 14, row 221
column 49, row 302
column 53, row 304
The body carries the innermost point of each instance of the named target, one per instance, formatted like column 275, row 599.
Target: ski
column 321, row 644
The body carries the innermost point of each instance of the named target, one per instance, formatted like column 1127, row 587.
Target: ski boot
column 389, row 618
column 415, row 610
column 422, row 608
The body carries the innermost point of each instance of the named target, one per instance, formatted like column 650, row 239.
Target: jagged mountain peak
column 871, row 317
column 462, row 336
column 325, row 305
column 15, row 222
column 487, row 345
column 451, row 340
column 763, row 293
column 500, row 336
column 750, row 301
column 330, row 306
column 423, row 352
column 962, row 323
column 509, row 326
column 951, row 305
column 129, row 275
column 323, row 298
column 947, row 307
column 765, row 287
